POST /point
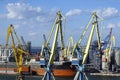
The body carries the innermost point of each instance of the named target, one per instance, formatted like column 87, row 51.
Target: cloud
column 22, row 11
column 104, row 12
column 41, row 19
column 73, row 12
column 107, row 12
column 111, row 25
column 32, row 33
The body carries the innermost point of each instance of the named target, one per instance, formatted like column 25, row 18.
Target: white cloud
column 104, row 12
column 111, row 25
column 21, row 11
column 27, row 12
column 107, row 12
column 41, row 19
column 32, row 33
column 28, row 15
column 73, row 12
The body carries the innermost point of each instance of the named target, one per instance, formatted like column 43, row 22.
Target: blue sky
column 33, row 18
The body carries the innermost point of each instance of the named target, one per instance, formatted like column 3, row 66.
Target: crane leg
column 48, row 76
column 81, row 76
column 20, row 77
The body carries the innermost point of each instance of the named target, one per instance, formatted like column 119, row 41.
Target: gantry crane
column 49, row 54
column 81, row 58
column 18, row 51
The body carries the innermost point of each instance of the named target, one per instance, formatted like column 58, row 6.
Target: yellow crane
column 17, row 50
column 94, row 25
column 81, row 59
column 50, row 61
column 93, row 18
column 67, row 50
column 109, row 49
column 58, row 19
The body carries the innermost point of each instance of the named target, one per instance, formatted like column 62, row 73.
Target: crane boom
column 57, row 20
column 45, row 40
column 25, row 47
column 58, row 26
column 109, row 48
column 17, row 50
column 69, row 45
column 84, row 32
column 53, row 47
column 81, row 59
column 95, row 24
column 51, row 32
column 49, row 61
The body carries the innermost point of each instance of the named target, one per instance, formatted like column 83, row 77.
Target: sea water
column 13, row 77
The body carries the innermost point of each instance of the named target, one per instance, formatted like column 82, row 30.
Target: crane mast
column 25, row 47
column 17, row 50
column 81, row 59
column 107, row 44
column 58, row 19
column 49, row 62
column 94, row 25
column 84, row 32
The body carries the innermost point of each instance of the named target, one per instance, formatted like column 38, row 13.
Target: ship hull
column 41, row 72
column 57, row 72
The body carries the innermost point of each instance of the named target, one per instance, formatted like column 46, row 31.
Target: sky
column 33, row 18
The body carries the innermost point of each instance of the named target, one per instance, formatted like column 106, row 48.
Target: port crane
column 48, row 60
column 47, row 41
column 84, row 32
column 67, row 50
column 25, row 47
column 107, row 40
column 109, row 48
column 18, row 51
column 81, row 58
column 108, row 43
